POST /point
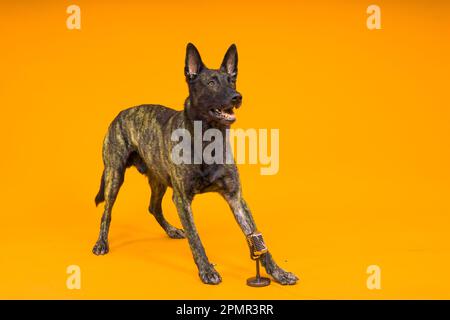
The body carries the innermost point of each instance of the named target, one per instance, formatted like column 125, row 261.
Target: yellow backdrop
column 364, row 146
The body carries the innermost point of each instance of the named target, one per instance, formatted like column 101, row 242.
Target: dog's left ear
column 230, row 61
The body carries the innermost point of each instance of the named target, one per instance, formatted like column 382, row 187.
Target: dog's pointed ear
column 193, row 63
column 230, row 61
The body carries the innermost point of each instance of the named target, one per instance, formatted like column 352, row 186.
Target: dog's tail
column 101, row 193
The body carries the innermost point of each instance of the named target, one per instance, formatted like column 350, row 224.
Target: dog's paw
column 176, row 233
column 210, row 276
column 101, row 247
column 284, row 277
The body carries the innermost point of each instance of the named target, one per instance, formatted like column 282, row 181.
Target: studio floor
column 364, row 150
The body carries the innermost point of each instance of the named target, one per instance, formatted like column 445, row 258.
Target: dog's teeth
column 223, row 113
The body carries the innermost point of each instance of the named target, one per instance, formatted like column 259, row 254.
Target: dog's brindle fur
column 141, row 137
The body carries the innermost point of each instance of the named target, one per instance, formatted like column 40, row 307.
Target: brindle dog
column 141, row 137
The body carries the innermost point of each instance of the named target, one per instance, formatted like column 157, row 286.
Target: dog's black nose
column 236, row 99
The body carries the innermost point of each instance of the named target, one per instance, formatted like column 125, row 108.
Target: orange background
column 364, row 146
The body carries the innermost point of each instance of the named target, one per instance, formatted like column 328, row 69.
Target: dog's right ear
column 193, row 63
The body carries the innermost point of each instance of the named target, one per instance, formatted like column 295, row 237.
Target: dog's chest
column 207, row 178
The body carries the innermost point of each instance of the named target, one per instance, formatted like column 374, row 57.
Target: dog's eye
column 211, row 83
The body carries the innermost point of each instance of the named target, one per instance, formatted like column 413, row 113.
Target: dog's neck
column 191, row 116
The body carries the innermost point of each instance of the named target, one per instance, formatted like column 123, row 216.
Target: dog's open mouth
column 224, row 114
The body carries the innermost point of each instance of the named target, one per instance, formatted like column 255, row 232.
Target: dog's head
column 212, row 92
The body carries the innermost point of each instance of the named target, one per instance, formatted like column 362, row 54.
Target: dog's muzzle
column 256, row 244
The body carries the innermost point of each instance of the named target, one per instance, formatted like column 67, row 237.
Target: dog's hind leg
column 113, row 179
column 155, row 208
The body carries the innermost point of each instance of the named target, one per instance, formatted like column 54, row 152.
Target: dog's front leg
column 206, row 270
column 245, row 220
